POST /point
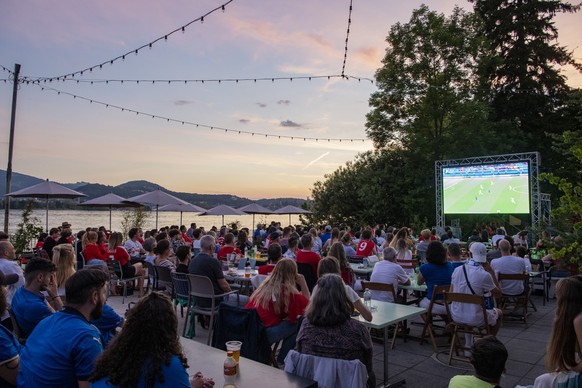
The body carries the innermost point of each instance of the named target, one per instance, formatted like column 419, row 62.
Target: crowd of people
column 306, row 299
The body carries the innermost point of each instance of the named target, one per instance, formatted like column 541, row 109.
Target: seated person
column 132, row 245
column 29, row 305
column 488, row 357
column 107, row 324
column 274, row 253
column 120, row 254
column 148, row 245
column 330, row 264
column 160, row 361
column 306, row 254
column 278, row 303
column 328, row 329
column 183, row 255
column 65, row 341
column 9, row 345
column 163, row 250
column 292, row 248
column 389, row 272
column 508, row 264
column 366, row 246
column 436, row 272
column 228, row 247
column 93, row 253
column 451, row 238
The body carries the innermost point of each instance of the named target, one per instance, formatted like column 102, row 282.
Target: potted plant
column 28, row 231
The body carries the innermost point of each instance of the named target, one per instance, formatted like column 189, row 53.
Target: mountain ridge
column 136, row 187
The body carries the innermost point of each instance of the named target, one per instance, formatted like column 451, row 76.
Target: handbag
column 489, row 300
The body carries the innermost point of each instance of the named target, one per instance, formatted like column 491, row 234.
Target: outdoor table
column 239, row 278
column 360, row 270
column 385, row 315
column 413, row 287
column 210, row 361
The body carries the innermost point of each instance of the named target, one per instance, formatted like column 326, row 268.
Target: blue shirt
column 60, row 352
column 324, row 237
column 107, row 324
column 29, row 309
column 9, row 350
column 175, row 375
column 434, row 274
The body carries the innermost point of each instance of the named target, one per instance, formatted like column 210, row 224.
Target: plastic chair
column 429, row 317
column 459, row 328
column 116, row 275
column 164, row 275
column 202, row 287
column 181, row 286
column 152, row 276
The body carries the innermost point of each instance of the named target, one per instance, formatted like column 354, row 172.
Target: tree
column 429, row 73
column 28, row 230
column 521, row 76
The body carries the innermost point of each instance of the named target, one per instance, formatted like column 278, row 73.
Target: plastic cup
column 234, row 346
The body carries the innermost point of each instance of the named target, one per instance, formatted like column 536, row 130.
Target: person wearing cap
column 326, row 235
column 9, row 345
column 8, row 265
column 479, row 279
column 29, row 304
column 62, row 350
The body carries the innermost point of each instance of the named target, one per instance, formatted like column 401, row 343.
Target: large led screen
column 501, row 188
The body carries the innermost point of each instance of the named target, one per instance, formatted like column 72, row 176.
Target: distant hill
column 133, row 188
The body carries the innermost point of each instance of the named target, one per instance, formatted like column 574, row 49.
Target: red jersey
column 266, row 269
column 186, row 238
column 309, row 257
column 226, row 250
column 297, row 305
column 365, row 248
column 92, row 251
column 120, row 255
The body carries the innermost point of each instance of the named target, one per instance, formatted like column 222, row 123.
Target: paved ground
column 421, row 367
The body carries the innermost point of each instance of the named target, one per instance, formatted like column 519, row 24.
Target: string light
column 197, row 125
column 136, row 50
column 347, row 38
column 202, row 81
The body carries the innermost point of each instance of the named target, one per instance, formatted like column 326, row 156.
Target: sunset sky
column 68, row 140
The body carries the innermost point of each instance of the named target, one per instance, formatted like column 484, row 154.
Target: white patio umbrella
column 46, row 190
column 182, row 208
column 253, row 209
column 290, row 209
column 158, row 198
column 223, row 210
column 111, row 201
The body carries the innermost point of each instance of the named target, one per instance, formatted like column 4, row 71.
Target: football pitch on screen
column 486, row 195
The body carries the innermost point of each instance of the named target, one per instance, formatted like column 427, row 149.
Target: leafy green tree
column 429, row 72
column 521, row 74
column 134, row 218
column 28, row 230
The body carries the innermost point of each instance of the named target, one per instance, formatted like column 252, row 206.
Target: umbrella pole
column 46, row 214
column 180, row 218
column 289, row 218
column 253, row 225
column 109, row 217
column 222, row 220
column 157, row 216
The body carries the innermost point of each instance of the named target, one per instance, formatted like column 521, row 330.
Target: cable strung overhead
column 206, row 126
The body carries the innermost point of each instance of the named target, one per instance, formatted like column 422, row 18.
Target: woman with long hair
column 566, row 338
column 120, row 254
column 436, row 272
column 317, row 244
column 331, row 265
column 278, row 303
column 337, row 250
column 335, row 237
column 347, row 245
column 64, row 259
column 129, row 361
column 329, row 331
column 242, row 242
column 93, row 253
column 163, row 252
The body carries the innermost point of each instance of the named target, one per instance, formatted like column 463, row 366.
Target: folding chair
column 202, row 287
column 116, row 275
column 388, row 288
column 459, row 328
column 520, row 299
column 429, row 316
column 152, row 276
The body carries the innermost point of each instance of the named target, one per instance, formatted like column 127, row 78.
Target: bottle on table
column 368, row 298
column 248, row 269
column 229, row 370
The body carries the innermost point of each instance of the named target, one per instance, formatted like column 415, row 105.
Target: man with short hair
column 29, row 304
column 8, row 266
column 454, row 254
column 451, row 238
column 494, row 253
column 488, row 357
column 389, row 272
column 292, row 248
column 205, row 264
column 510, row 265
column 326, row 235
column 62, row 349
column 228, row 248
column 306, row 255
column 51, row 241
column 366, row 246
column 274, row 253
column 132, row 245
column 499, row 235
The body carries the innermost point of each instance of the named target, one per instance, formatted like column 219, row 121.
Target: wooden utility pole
column 11, row 146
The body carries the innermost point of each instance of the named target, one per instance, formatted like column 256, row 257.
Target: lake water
column 80, row 219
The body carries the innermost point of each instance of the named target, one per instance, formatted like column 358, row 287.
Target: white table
column 359, row 269
column 387, row 314
column 210, row 361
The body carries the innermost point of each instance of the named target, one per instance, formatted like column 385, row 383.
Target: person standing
column 66, row 342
